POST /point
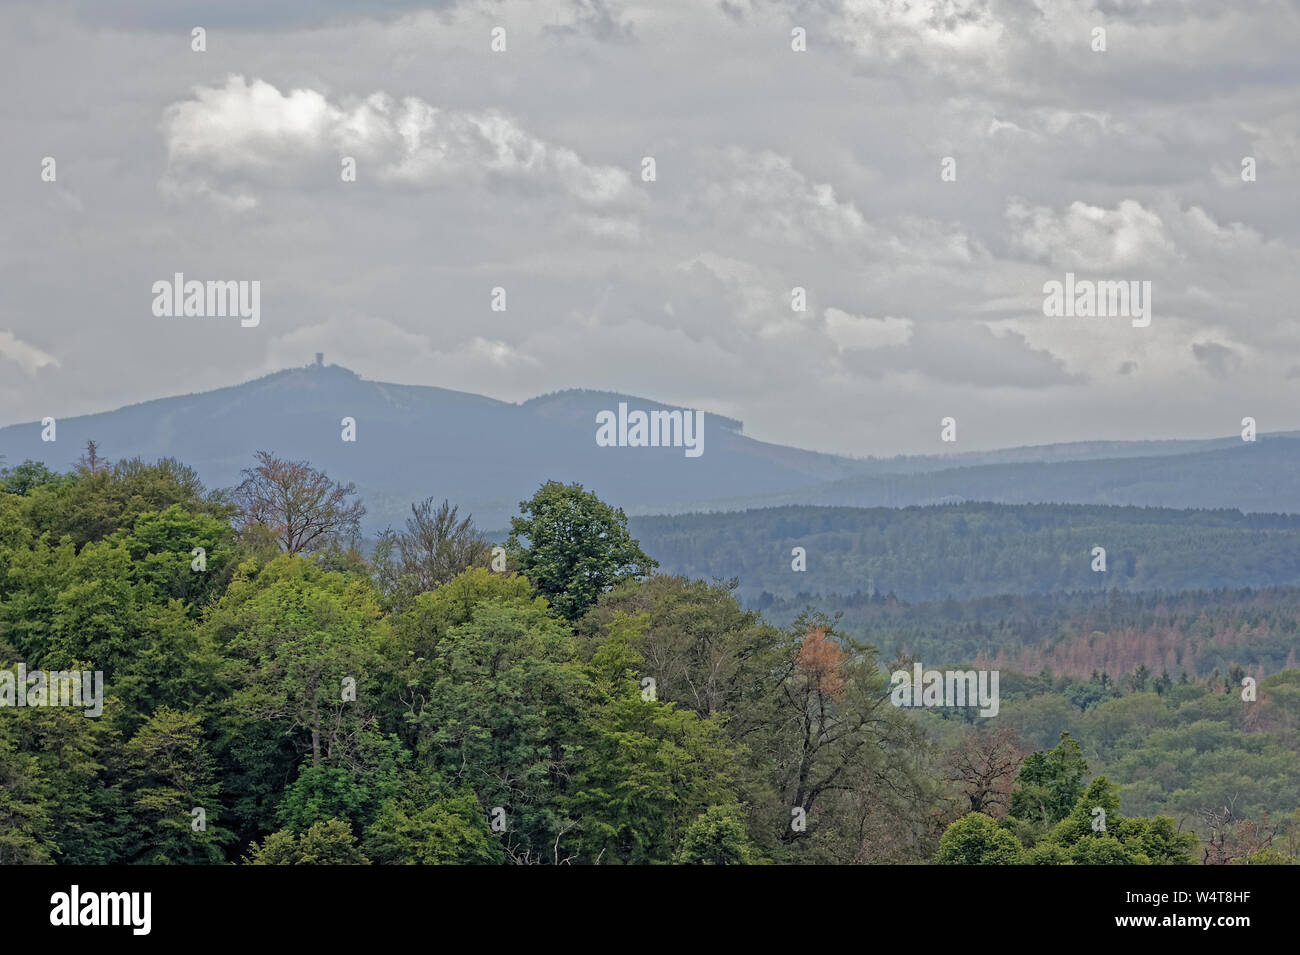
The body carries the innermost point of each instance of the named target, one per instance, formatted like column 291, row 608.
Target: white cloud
column 752, row 297
column 496, row 353
column 763, row 193
column 1278, row 142
column 27, row 357
column 384, row 350
column 252, row 132
column 941, row 32
column 855, row 333
column 1090, row 237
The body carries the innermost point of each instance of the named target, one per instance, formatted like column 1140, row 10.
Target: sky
column 775, row 168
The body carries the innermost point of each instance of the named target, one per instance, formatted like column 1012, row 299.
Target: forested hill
column 975, row 550
column 1195, row 632
column 488, row 455
column 1241, row 475
column 435, row 701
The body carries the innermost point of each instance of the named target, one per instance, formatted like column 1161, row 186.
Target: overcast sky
column 775, row 169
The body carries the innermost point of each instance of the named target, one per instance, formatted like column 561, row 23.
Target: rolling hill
column 488, row 455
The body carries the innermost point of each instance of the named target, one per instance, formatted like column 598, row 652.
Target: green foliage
column 975, row 839
column 294, row 636
column 351, row 788
column 577, row 710
column 717, row 837
column 709, row 654
column 170, row 775
column 94, row 505
column 1159, row 840
column 25, row 837
column 573, row 547
column 440, row 830
column 501, row 705
column 1048, row 853
column 161, row 547
column 649, row 770
column 1096, row 805
column 26, row 477
column 60, row 801
column 1050, row 783
column 1094, row 832
column 329, row 842
column 1105, row 850
column 971, row 550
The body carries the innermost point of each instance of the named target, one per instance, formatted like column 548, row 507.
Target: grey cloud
column 1219, row 360
column 596, row 18
column 249, row 15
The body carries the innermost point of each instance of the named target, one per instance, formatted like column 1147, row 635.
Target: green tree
column 69, row 606
column 707, row 652
column 59, row 797
column 25, row 477
column 25, row 836
column 573, row 547
column 351, row 788
column 436, row 546
column 301, row 637
column 329, row 842
column 433, row 830
column 162, row 544
column 496, row 707
column 297, row 503
column 170, row 775
column 97, row 503
column 649, row 769
column 1050, row 783
column 300, row 647
column 975, row 839
column 1095, row 832
column 717, row 837
column 1105, row 849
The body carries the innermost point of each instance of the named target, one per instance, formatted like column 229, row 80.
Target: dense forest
column 977, row 550
column 1202, row 633
column 276, row 693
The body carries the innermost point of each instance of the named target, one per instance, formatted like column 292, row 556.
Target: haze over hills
column 488, row 455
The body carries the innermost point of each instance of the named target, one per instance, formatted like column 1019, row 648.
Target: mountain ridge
column 487, row 455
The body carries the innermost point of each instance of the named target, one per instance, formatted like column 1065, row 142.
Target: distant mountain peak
column 570, row 399
column 487, row 455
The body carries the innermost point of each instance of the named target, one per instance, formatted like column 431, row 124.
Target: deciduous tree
column 301, row 506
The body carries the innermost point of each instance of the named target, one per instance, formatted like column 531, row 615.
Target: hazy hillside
column 1258, row 476
column 488, row 455
column 413, row 442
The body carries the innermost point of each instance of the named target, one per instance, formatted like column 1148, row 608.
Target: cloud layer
column 839, row 246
